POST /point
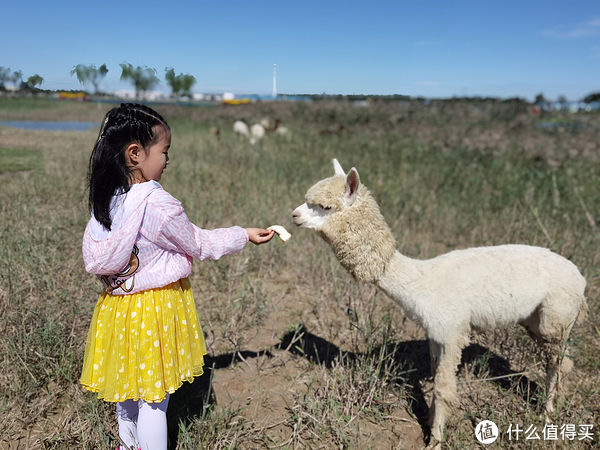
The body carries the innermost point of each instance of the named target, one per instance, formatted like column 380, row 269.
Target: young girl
column 145, row 339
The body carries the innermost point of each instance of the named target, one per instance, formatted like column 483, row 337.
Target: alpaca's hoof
column 434, row 445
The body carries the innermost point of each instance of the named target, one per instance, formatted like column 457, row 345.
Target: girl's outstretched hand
column 259, row 235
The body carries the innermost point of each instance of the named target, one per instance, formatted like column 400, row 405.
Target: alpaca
column 241, row 128
column 483, row 288
column 257, row 132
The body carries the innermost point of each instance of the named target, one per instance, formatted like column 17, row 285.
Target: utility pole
column 274, row 81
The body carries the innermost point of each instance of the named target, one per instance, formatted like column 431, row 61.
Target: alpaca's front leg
column 444, row 388
column 435, row 354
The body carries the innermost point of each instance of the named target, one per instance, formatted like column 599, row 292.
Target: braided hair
column 108, row 172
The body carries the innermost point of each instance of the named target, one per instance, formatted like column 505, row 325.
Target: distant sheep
column 241, row 128
column 259, row 130
column 483, row 288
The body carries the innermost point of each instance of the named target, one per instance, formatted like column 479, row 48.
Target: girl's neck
column 136, row 177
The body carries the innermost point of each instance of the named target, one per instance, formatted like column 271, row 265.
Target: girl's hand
column 259, row 235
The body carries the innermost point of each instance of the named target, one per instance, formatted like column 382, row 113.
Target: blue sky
column 430, row 48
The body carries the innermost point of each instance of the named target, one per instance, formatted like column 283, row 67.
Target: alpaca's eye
column 326, row 208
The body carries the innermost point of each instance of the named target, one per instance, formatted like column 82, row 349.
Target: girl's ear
column 134, row 153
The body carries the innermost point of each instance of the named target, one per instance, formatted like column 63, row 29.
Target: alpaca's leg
column 551, row 331
column 552, row 375
column 444, row 389
column 558, row 365
column 435, row 354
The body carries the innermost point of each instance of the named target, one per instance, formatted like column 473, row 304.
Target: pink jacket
column 151, row 242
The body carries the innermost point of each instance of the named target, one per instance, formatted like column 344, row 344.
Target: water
column 48, row 125
column 569, row 126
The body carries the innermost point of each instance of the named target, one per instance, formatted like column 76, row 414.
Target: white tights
column 143, row 424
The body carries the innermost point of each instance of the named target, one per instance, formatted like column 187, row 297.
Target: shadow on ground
column 193, row 400
column 413, row 357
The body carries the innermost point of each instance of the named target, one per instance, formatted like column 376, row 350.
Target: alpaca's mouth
column 297, row 220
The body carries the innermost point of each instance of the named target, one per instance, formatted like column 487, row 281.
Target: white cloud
column 574, row 31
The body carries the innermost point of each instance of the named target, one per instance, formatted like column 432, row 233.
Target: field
column 300, row 355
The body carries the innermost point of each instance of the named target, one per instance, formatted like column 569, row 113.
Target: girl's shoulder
column 160, row 200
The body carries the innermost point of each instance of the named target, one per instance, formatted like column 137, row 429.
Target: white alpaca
column 241, row 128
column 484, row 287
column 257, row 132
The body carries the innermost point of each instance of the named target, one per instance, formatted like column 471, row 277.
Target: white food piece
column 282, row 232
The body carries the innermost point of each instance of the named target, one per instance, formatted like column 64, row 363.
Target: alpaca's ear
column 352, row 185
column 337, row 168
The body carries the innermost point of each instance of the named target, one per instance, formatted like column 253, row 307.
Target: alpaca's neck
column 361, row 239
column 400, row 274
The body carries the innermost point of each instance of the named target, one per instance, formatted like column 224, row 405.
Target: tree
column 90, row 74
column 181, row 85
column 4, row 76
column 540, row 99
column 143, row 78
column 563, row 102
column 33, row 81
column 594, row 97
column 17, row 78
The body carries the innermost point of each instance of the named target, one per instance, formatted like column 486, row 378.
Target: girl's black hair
column 108, row 172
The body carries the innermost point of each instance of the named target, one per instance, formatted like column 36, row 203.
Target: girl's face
column 154, row 158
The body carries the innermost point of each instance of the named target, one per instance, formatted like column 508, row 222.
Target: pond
column 49, row 125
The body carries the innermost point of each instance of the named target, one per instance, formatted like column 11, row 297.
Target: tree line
column 16, row 78
column 142, row 78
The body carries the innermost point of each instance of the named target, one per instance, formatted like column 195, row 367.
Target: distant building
column 146, row 95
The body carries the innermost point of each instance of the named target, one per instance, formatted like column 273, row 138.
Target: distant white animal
column 484, row 287
column 266, row 123
column 282, row 130
column 257, row 132
column 241, row 128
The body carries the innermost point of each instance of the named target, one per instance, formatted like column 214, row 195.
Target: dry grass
column 300, row 355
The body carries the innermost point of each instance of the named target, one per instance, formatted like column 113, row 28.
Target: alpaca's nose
column 296, row 217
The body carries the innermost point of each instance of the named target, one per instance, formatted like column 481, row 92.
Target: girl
column 144, row 340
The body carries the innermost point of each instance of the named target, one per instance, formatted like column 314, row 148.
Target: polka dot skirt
column 143, row 345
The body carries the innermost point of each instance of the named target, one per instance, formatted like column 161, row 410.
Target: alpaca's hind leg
column 558, row 365
column 444, row 389
column 553, row 362
column 551, row 332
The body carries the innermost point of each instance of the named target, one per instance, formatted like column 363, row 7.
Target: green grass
column 445, row 176
column 16, row 160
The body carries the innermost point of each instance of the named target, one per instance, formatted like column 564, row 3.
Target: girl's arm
column 181, row 235
column 170, row 228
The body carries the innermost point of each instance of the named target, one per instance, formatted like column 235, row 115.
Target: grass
column 301, row 356
column 16, row 160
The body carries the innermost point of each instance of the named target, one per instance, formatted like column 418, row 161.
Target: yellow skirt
column 143, row 345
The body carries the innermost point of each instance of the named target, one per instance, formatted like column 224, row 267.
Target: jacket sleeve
column 174, row 231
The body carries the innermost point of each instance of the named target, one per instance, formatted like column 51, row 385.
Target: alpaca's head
column 345, row 214
column 327, row 198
